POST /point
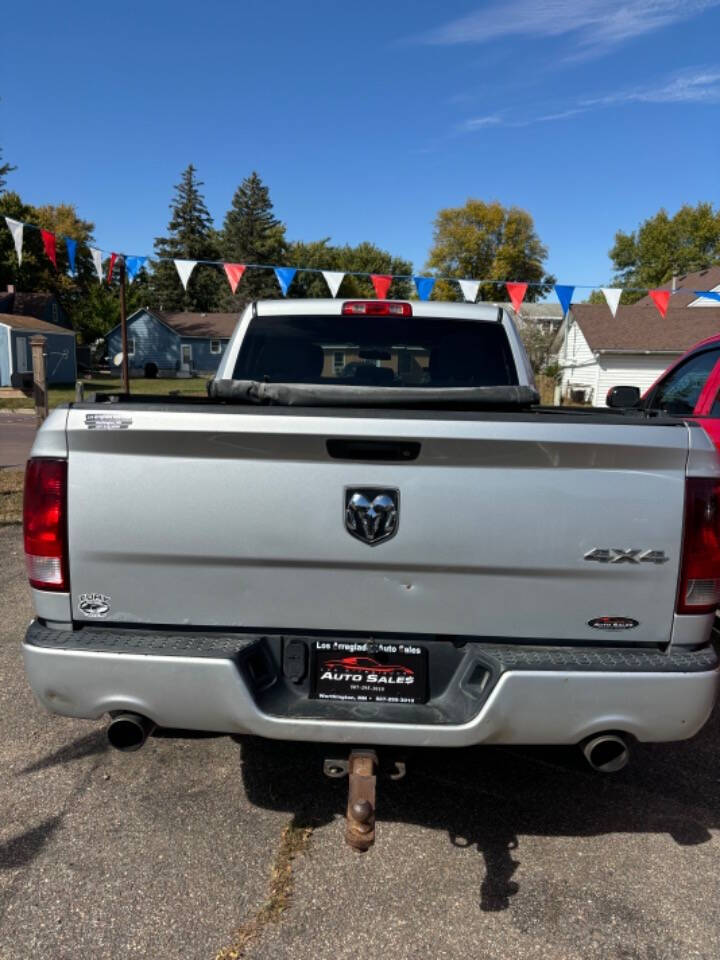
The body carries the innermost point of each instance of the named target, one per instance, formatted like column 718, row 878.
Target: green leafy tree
column 364, row 258
column 5, row 169
column 487, row 241
column 663, row 245
column 36, row 274
column 252, row 234
column 191, row 236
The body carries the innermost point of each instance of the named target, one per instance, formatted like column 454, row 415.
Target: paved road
column 17, row 432
column 182, row 850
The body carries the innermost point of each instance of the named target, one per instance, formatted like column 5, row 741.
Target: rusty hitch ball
column 360, row 826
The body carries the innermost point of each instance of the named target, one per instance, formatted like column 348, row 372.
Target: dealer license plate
column 365, row 672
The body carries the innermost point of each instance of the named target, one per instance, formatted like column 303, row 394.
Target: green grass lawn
column 186, row 388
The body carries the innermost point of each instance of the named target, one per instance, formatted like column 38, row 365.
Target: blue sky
column 365, row 119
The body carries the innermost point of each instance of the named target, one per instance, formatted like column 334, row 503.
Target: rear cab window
column 384, row 351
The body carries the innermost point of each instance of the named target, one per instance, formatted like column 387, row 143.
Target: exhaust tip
column 129, row 731
column 607, row 753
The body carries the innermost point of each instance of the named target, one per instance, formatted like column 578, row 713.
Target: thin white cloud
column 701, row 85
column 596, row 25
column 475, row 123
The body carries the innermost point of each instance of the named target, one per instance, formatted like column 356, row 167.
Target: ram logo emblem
column 372, row 514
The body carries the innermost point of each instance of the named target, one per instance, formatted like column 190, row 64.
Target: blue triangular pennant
column 424, row 286
column 285, row 277
column 133, row 266
column 709, row 294
column 71, row 248
column 564, row 295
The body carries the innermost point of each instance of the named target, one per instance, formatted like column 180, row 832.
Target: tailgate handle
column 386, row 450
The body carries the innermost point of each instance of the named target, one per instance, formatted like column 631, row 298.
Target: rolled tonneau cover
column 312, row 394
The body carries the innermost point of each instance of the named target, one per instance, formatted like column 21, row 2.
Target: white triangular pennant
column 16, row 229
column 97, row 262
column 470, row 289
column 612, row 295
column 184, row 269
column 333, row 279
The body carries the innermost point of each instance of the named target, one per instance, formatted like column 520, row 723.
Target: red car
column 367, row 665
column 690, row 388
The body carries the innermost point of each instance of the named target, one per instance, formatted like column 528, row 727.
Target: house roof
column 641, row 329
column 689, row 282
column 219, row 325
column 25, row 304
column 33, row 325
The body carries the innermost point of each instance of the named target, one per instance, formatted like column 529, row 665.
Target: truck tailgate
column 234, row 517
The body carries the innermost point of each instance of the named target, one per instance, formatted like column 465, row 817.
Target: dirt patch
column 11, row 496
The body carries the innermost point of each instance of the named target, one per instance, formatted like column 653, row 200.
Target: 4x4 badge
column 616, row 555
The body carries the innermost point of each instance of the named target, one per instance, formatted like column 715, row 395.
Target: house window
column 215, row 346
column 131, row 346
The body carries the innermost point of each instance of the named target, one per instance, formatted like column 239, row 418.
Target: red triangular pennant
column 113, row 258
column 516, row 292
column 660, row 298
column 234, row 272
column 381, row 284
column 48, row 240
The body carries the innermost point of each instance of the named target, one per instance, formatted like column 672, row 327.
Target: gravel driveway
column 207, row 847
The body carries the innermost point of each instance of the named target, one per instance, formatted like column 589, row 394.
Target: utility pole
column 123, row 329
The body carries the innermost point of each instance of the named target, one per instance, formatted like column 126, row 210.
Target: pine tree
column 252, row 234
column 5, row 169
column 191, row 237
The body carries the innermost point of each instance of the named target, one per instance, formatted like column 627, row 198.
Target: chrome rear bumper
column 536, row 695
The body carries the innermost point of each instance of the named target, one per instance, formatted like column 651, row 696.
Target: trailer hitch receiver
column 361, row 770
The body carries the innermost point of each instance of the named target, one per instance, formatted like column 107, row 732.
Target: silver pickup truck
column 370, row 533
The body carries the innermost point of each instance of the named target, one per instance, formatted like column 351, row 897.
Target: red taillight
column 45, row 524
column 377, row 308
column 700, row 572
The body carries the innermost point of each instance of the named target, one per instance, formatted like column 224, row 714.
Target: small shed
column 16, row 357
column 172, row 344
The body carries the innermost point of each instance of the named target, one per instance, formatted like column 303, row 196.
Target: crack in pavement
column 295, row 839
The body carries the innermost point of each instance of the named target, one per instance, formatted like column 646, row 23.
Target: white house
column 596, row 351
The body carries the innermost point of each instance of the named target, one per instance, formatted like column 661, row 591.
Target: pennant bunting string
column 424, row 286
column 612, row 297
column 285, row 277
column 184, row 269
column 333, row 279
column 133, row 266
column 71, row 247
column 16, row 229
column 97, row 262
column 49, row 244
column 469, row 289
column 564, row 295
column 707, row 294
column 234, row 272
column 516, row 292
column 660, row 298
column 381, row 282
